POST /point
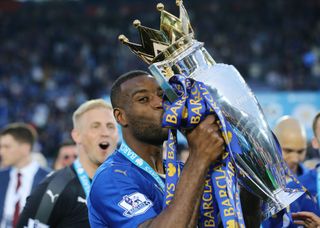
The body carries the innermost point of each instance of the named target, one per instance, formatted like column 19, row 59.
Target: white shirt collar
column 28, row 170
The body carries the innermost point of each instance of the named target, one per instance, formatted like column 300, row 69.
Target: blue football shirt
column 123, row 195
column 303, row 203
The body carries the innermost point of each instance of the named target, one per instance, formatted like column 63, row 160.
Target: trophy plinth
column 282, row 198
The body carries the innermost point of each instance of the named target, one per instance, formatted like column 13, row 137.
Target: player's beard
column 147, row 131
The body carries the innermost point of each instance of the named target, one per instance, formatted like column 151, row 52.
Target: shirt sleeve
column 118, row 200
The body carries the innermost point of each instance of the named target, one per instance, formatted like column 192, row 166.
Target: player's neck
column 87, row 165
column 149, row 153
column 23, row 162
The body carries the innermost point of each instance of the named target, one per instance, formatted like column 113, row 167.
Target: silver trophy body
column 260, row 168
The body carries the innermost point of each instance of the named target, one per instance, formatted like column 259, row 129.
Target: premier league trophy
column 173, row 50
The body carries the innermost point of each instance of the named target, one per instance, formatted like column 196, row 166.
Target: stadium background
column 56, row 54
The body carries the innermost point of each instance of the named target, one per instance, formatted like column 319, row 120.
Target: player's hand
column 205, row 140
column 306, row 219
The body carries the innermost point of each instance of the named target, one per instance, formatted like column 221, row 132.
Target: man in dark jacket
column 22, row 174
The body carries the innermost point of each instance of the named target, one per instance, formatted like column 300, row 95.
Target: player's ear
column 120, row 116
column 75, row 135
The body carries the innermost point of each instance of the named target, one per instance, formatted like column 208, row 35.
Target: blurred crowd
column 55, row 55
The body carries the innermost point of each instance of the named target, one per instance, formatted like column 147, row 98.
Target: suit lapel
column 4, row 180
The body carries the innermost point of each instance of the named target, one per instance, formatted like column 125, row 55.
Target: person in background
column 310, row 179
column 305, row 210
column 66, row 155
column 23, row 173
column 316, row 133
column 293, row 141
column 60, row 200
column 315, row 142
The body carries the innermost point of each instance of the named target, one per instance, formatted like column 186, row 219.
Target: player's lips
column 104, row 145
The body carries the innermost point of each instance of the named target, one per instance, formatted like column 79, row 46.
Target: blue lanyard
column 83, row 177
column 126, row 151
column 221, row 191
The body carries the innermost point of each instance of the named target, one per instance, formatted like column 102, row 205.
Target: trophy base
column 282, row 199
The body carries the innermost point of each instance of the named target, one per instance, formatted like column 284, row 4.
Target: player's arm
column 196, row 210
column 206, row 145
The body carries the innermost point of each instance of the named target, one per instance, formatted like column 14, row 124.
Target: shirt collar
column 31, row 168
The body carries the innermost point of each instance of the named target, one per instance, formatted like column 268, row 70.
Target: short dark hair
column 314, row 123
column 115, row 89
column 21, row 132
column 67, row 142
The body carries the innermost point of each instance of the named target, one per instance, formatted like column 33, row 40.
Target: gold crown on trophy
column 173, row 34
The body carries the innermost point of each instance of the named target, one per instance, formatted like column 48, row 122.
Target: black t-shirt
column 70, row 209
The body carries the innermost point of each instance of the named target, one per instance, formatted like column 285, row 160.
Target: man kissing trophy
column 195, row 86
